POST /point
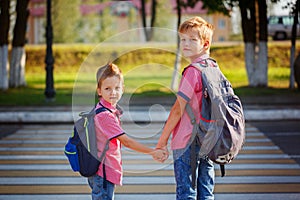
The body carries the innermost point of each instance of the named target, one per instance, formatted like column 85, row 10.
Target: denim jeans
column 101, row 189
column 205, row 176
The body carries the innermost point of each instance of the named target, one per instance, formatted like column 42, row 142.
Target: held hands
column 160, row 155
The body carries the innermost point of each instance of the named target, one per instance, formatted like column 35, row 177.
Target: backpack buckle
column 193, row 121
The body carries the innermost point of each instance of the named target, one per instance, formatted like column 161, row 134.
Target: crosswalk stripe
column 242, row 172
column 145, row 180
column 60, row 148
column 32, row 162
column 146, row 189
column 223, row 196
column 64, row 161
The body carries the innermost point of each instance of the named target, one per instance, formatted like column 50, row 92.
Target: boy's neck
column 200, row 57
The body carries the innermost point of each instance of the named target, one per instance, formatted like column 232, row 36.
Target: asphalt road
column 285, row 134
column 7, row 129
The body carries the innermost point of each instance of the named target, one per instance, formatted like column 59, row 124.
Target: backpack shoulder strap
column 102, row 109
column 204, row 63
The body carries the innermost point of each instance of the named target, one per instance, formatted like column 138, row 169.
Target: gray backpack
column 221, row 130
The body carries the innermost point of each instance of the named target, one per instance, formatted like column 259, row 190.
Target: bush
column 74, row 55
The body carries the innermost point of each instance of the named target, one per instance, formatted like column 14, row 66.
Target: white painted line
column 165, row 180
column 33, row 141
column 33, row 157
column 258, row 140
column 31, row 149
column 48, row 197
column 260, row 166
column 40, row 136
column 243, row 196
column 263, row 156
column 260, row 148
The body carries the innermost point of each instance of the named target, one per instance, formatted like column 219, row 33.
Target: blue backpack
column 81, row 148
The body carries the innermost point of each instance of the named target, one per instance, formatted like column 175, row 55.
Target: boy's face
column 191, row 45
column 111, row 90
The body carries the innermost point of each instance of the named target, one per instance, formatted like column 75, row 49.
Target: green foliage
column 147, row 71
column 65, row 16
column 64, row 55
column 106, row 22
column 215, row 6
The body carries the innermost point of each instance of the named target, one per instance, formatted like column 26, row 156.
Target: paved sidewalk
column 154, row 109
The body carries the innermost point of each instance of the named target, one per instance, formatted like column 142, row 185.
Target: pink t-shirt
column 190, row 89
column 108, row 127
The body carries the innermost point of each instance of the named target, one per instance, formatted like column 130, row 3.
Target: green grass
column 143, row 83
column 150, row 79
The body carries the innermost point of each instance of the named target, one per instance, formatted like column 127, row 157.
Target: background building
column 112, row 17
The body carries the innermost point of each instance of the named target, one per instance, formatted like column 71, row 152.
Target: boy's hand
column 160, row 155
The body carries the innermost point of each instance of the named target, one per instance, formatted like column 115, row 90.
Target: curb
column 136, row 116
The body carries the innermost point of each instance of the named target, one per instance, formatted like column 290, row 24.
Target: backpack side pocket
column 72, row 155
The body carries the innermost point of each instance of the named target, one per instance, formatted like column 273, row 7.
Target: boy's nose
column 186, row 43
column 114, row 91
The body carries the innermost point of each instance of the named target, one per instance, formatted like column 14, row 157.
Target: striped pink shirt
column 108, row 127
column 190, row 89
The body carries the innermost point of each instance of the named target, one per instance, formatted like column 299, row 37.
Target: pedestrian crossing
column 33, row 166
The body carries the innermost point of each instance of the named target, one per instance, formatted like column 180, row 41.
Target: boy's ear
column 206, row 44
column 98, row 91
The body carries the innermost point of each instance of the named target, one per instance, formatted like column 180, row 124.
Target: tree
column 105, row 25
column 293, row 73
column 65, row 16
column 148, row 30
column 255, row 35
column 18, row 55
column 4, row 29
column 175, row 77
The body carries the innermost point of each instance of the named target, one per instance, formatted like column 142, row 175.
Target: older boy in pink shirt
column 196, row 36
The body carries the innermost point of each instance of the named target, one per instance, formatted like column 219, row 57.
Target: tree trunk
column 293, row 48
column 261, row 71
column 4, row 29
column 17, row 64
column 153, row 17
column 262, row 60
column 144, row 18
column 256, row 52
column 250, row 62
column 247, row 9
column 4, row 67
column 175, row 77
column 148, row 30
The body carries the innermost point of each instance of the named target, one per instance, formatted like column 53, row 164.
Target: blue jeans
column 101, row 189
column 205, row 176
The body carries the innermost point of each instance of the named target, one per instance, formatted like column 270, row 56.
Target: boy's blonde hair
column 204, row 29
column 108, row 70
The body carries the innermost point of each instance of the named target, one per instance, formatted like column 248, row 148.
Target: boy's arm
column 175, row 115
column 134, row 145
